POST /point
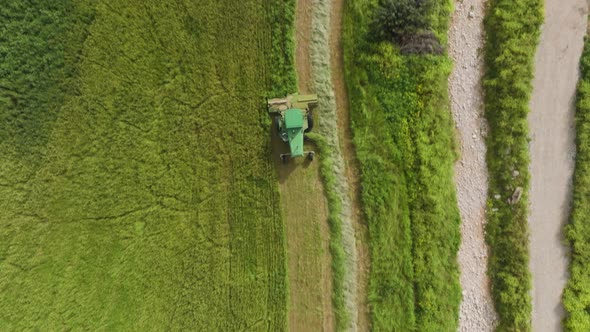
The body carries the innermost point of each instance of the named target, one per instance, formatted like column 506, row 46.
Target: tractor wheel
column 311, row 155
column 309, row 122
column 278, row 124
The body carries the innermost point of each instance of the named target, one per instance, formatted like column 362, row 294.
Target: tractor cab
column 293, row 119
column 294, row 131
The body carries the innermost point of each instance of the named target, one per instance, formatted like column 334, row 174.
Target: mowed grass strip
column 513, row 29
column 403, row 134
column 150, row 200
column 576, row 297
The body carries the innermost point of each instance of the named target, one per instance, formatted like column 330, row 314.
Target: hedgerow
column 403, row 134
column 137, row 190
column 576, row 297
column 512, row 29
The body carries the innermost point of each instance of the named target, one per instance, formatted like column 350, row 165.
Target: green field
column 403, row 134
column 512, row 29
column 576, row 297
column 137, row 190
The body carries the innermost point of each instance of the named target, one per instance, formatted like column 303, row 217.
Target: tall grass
column 403, row 134
column 512, row 29
column 576, row 297
column 137, row 190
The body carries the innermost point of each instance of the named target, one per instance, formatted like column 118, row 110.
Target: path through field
column 552, row 151
column 352, row 175
column 305, row 213
column 312, row 56
column 465, row 41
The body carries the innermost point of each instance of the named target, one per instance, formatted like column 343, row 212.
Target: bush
column 396, row 19
column 421, row 43
column 407, row 23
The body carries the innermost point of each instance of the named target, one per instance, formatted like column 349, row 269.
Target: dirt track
column 552, row 152
column 304, row 209
column 343, row 110
column 465, row 39
column 305, row 212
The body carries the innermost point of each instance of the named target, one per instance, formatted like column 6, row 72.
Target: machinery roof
column 294, row 118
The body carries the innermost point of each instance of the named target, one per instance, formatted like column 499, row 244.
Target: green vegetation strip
column 576, row 298
column 512, row 29
column 137, row 190
column 403, row 133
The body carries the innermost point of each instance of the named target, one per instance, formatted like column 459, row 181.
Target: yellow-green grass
column 137, row 190
column 576, row 297
column 404, row 139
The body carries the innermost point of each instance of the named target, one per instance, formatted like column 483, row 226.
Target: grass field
column 576, row 298
column 137, row 190
column 512, row 29
column 403, row 134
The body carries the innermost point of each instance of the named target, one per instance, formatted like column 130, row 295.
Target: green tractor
column 293, row 118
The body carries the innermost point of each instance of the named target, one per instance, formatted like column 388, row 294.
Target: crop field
column 403, row 134
column 137, row 189
column 576, row 297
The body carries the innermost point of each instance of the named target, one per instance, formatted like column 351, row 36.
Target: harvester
column 293, row 118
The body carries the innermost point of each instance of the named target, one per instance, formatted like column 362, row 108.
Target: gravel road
column 552, row 151
column 465, row 44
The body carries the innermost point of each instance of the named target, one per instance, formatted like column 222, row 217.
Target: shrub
column 396, row 19
column 421, row 43
column 407, row 23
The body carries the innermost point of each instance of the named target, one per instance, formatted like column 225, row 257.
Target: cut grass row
column 342, row 236
column 512, row 29
column 337, row 252
column 136, row 186
column 576, row 298
column 403, row 134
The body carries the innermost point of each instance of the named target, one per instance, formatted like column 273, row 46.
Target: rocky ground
column 466, row 49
